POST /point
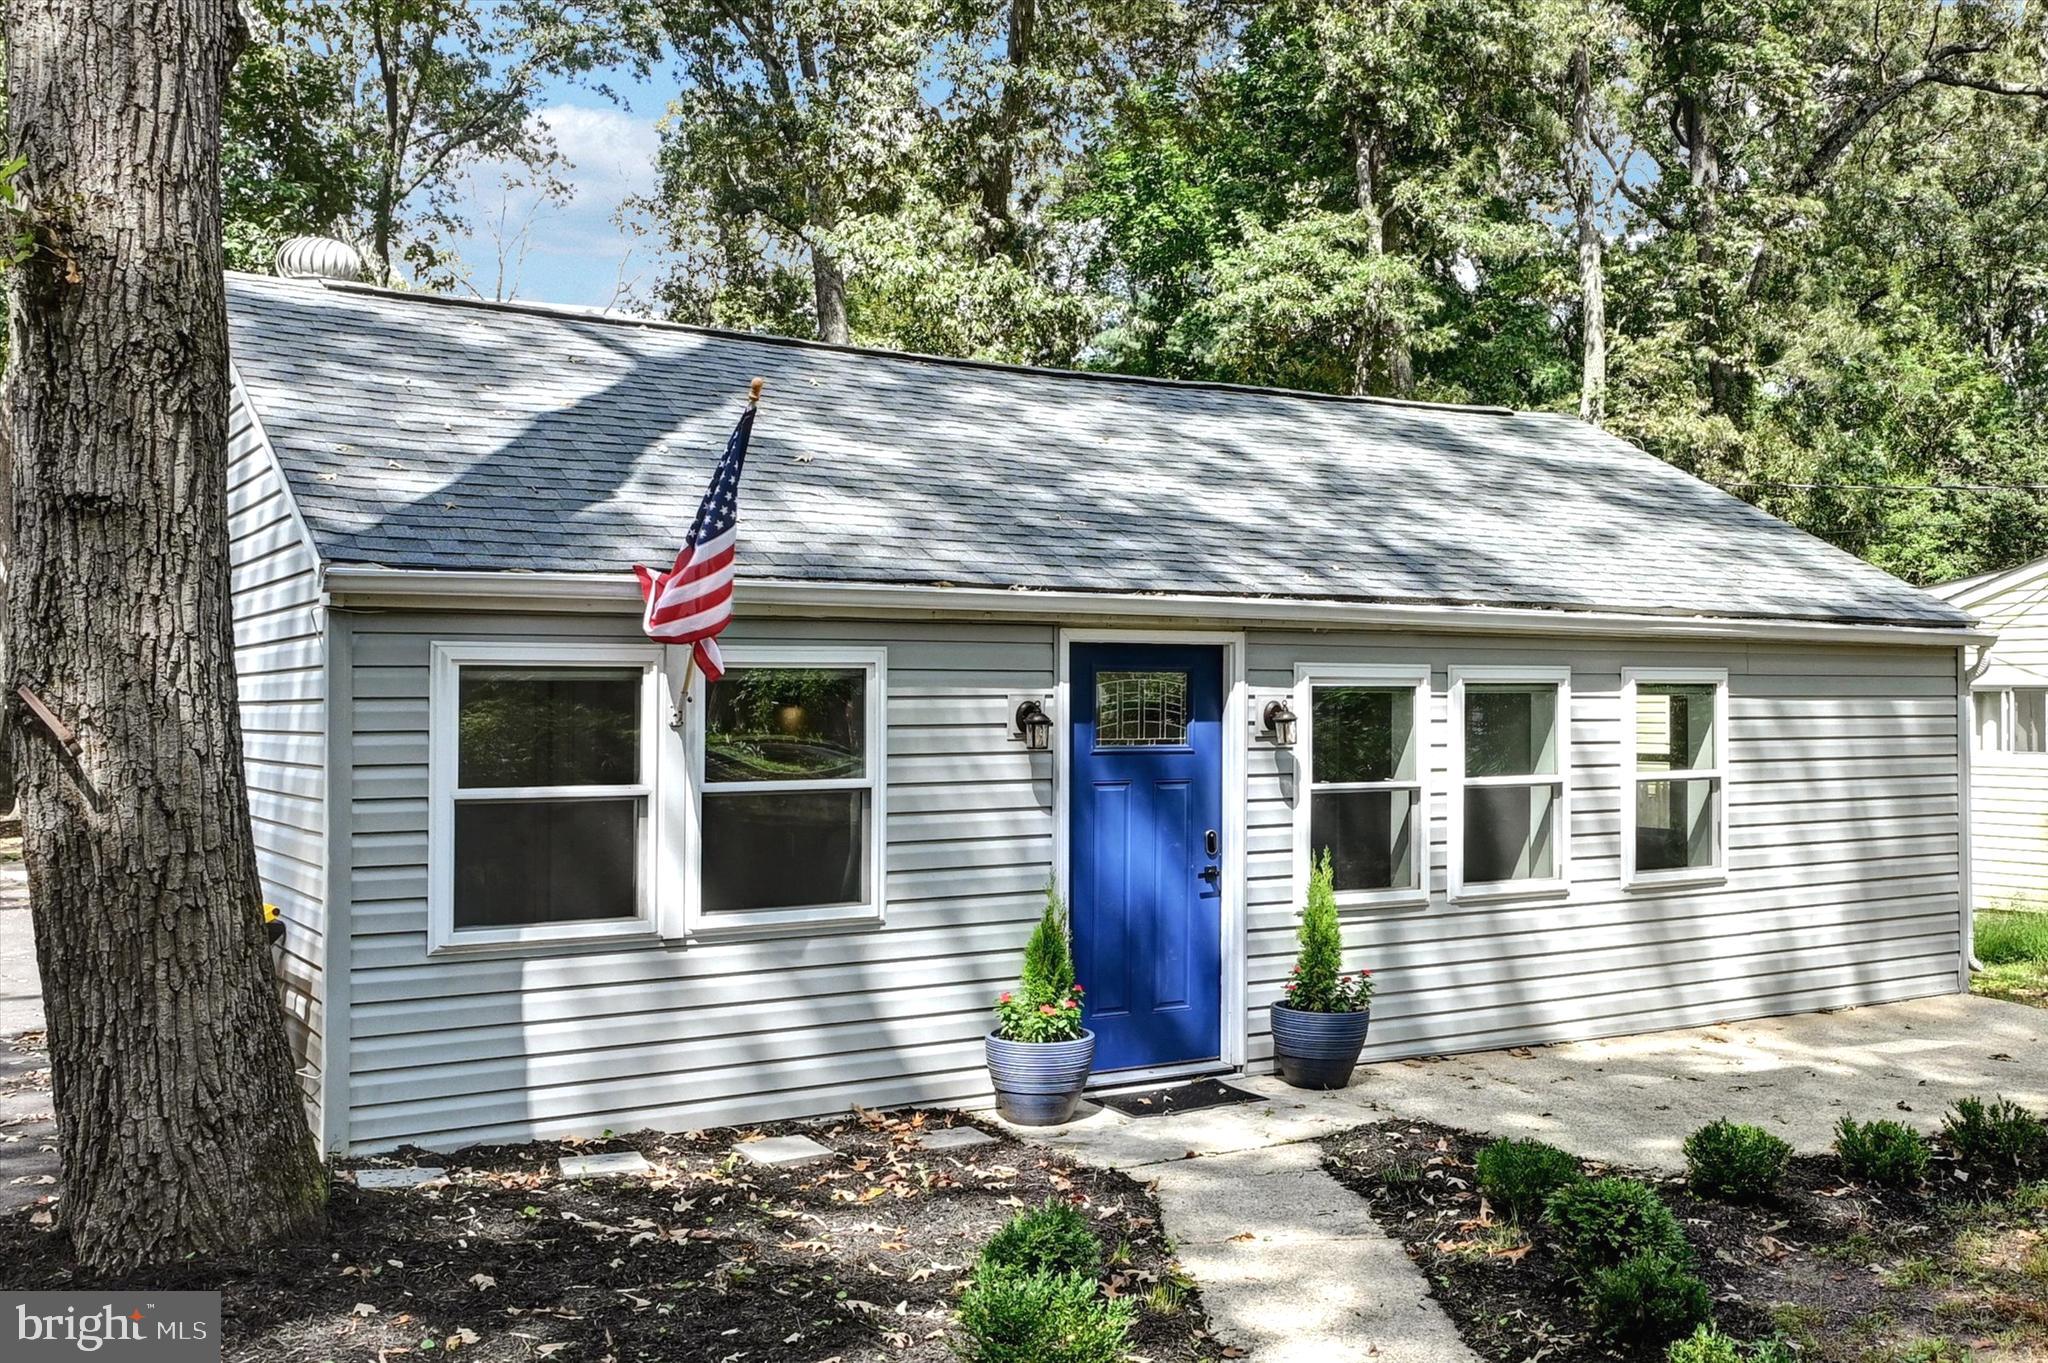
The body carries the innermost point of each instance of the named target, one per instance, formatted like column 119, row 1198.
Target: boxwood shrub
column 1054, row 1238
column 1735, row 1162
column 1012, row 1316
column 1600, row 1222
column 1519, row 1176
column 1996, row 1135
column 1646, row 1299
column 1887, row 1153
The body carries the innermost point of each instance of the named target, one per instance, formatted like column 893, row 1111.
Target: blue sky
column 573, row 251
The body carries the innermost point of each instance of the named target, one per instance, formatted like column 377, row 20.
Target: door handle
column 1212, row 874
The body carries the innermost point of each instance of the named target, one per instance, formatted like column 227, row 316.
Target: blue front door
column 1146, row 865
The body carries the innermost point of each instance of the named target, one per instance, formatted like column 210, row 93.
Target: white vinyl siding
column 2008, row 774
column 722, row 1028
column 280, row 671
column 1842, row 860
column 1842, row 883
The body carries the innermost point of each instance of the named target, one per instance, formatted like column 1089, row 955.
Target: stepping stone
column 783, row 1152
column 955, row 1138
column 397, row 1178
column 617, row 1165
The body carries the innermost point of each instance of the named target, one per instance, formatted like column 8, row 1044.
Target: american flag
column 692, row 602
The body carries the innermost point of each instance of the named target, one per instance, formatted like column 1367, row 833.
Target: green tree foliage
column 360, row 118
column 1794, row 248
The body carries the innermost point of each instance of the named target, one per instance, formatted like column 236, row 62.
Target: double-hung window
column 543, row 776
column 790, row 824
column 1510, row 765
column 2012, row 719
column 1674, row 736
column 1364, row 756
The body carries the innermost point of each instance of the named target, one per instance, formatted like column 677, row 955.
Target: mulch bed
column 856, row 1260
column 1842, row 1271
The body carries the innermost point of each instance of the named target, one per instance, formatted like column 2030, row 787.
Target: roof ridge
column 583, row 313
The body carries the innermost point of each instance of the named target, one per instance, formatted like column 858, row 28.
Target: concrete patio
column 1292, row 1267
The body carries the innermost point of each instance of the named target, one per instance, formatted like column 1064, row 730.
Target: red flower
column 1047, row 1009
column 1079, row 990
column 1004, row 999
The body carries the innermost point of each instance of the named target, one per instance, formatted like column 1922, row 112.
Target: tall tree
column 362, row 118
column 795, row 118
column 180, row 1124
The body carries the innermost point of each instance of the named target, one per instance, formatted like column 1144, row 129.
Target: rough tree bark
column 1592, row 250
column 179, row 1120
column 1384, row 364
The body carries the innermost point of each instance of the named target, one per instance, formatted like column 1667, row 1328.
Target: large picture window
column 1673, row 807
column 1365, row 753
column 790, row 825
column 1510, row 761
column 543, row 779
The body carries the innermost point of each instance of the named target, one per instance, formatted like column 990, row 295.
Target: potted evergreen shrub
column 1319, row 1029
column 1039, row 1054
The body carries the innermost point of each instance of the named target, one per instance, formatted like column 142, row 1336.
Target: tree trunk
column 999, row 176
column 1592, row 250
column 828, row 283
column 179, row 1120
column 1384, row 365
column 1703, row 172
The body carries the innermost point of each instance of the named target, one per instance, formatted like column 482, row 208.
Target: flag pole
column 690, row 663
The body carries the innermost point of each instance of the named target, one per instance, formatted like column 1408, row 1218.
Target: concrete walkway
column 1291, row 1267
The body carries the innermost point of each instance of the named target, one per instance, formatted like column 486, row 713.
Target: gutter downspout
column 1966, row 675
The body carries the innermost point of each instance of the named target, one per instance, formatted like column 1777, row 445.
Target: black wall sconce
column 1278, row 718
column 1034, row 725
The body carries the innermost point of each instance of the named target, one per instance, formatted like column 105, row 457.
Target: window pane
column 1140, row 709
column 1369, row 835
column 1511, row 730
column 546, row 861
column 1674, row 824
column 528, row 726
column 786, row 850
column 1674, row 727
column 1363, row 733
column 1510, row 833
column 1990, row 715
column 2029, row 719
column 786, row 724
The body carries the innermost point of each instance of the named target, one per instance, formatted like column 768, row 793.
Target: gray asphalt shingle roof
column 428, row 433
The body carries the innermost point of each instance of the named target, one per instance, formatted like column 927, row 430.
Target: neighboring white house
column 2009, row 764
column 1596, row 747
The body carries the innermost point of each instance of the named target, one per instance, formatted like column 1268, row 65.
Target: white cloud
column 575, row 252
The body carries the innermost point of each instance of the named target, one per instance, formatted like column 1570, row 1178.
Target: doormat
column 1176, row 1098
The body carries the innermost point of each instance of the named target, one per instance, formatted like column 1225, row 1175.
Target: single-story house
column 2008, row 679
column 1595, row 748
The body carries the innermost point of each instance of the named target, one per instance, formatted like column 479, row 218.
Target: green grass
column 2014, row 949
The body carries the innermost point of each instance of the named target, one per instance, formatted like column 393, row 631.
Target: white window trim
column 699, row 924
column 659, row 766
column 2008, row 712
column 1717, row 873
column 1559, row 884
column 1308, row 676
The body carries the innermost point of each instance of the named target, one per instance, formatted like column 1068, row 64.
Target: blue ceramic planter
column 1317, row 1050
column 1039, row 1083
